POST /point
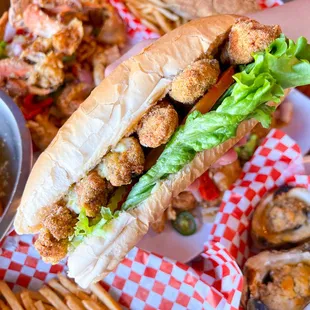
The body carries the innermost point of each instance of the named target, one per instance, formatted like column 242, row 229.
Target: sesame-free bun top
column 111, row 110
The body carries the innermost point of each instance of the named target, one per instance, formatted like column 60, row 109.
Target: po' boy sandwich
column 148, row 131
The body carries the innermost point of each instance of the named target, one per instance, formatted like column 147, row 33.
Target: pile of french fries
column 60, row 293
column 155, row 14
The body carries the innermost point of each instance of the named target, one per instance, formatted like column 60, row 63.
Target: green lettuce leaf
column 86, row 227
column 283, row 64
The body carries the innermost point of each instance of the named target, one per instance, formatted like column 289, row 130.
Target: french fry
column 9, row 296
column 92, row 305
column 18, row 297
column 94, row 297
column 73, row 302
column 3, row 306
column 105, row 297
column 72, row 287
column 162, row 21
column 149, row 25
column 158, row 3
column 37, row 296
column 27, row 301
column 157, row 15
column 53, row 298
column 39, row 305
column 58, row 288
column 168, row 14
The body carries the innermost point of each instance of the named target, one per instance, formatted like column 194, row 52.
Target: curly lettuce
column 283, row 64
column 92, row 227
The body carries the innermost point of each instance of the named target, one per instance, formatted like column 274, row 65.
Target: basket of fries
column 58, row 293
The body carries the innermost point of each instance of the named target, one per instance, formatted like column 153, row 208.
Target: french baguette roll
column 107, row 115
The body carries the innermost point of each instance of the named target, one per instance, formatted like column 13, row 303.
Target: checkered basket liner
column 145, row 280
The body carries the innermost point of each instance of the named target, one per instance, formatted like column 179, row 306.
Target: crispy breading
column 71, row 98
column 51, row 250
column 246, row 37
column 224, row 176
column 92, row 193
column 184, row 201
column 67, row 40
column 195, row 80
column 48, row 73
column 101, row 59
column 122, row 163
column 60, row 221
column 42, row 130
column 35, row 52
column 158, row 125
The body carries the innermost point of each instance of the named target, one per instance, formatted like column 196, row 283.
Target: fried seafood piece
column 71, row 98
column 17, row 8
column 92, row 192
column 39, row 23
column 101, row 59
column 42, row 130
column 94, row 4
column 57, row 6
column 15, row 87
column 68, row 39
column 86, row 49
column 51, row 249
column 184, row 201
column 225, row 176
column 59, row 220
column 123, row 162
column 158, row 125
column 113, row 30
column 246, row 37
column 286, row 214
column 14, row 68
column 48, row 73
column 36, row 51
column 195, row 80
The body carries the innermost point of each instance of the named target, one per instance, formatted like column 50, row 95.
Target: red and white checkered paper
column 145, row 280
